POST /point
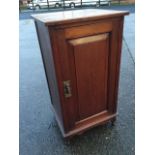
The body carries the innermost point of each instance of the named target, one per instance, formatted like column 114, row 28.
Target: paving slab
column 39, row 133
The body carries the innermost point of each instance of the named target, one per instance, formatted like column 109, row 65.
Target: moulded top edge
column 63, row 17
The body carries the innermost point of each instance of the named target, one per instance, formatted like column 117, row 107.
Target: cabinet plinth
column 81, row 53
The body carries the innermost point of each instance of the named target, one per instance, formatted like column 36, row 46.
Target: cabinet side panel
column 47, row 57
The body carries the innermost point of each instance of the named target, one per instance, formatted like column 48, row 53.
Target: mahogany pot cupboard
column 81, row 51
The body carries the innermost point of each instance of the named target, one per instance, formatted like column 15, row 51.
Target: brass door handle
column 67, row 88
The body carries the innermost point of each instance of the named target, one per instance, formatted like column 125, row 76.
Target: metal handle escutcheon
column 67, row 89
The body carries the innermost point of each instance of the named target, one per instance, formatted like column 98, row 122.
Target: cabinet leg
column 113, row 121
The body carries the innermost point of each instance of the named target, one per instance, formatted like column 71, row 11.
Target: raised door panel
column 91, row 69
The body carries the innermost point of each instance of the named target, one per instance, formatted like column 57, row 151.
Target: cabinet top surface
column 63, row 17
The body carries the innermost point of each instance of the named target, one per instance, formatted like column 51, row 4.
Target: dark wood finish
column 47, row 57
column 91, row 67
column 81, row 55
column 84, row 30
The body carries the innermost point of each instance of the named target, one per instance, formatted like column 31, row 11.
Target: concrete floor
column 39, row 133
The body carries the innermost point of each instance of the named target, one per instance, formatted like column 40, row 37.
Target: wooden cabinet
column 81, row 52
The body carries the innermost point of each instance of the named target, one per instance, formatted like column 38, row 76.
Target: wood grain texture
column 91, row 65
column 86, row 30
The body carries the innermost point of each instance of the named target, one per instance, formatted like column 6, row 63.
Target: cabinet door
column 87, row 58
column 90, row 56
